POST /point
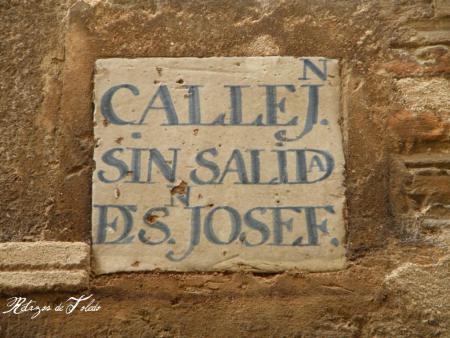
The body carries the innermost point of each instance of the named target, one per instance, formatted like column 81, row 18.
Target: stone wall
column 395, row 66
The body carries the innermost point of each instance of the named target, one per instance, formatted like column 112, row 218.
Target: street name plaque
column 224, row 163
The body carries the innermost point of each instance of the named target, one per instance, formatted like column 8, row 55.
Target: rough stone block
column 51, row 280
column 44, row 255
column 43, row 266
column 424, row 95
column 423, row 287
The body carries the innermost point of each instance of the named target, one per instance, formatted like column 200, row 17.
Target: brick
column 432, row 223
column 441, row 8
column 432, row 37
column 433, row 54
column 411, row 69
column 31, row 281
column 426, row 160
column 43, row 255
column 436, row 189
column 423, row 127
column 424, row 32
